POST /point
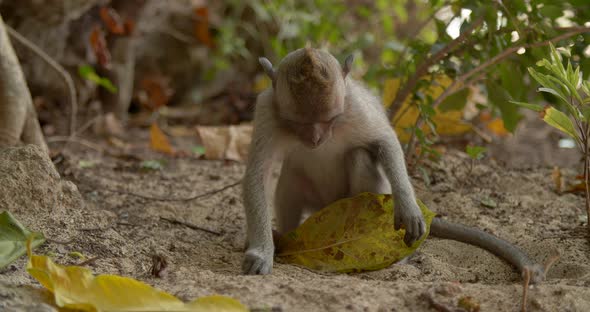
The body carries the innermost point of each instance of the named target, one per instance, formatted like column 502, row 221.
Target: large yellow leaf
column 447, row 123
column 352, row 234
column 77, row 288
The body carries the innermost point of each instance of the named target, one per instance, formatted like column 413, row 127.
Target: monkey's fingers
column 415, row 229
column 255, row 265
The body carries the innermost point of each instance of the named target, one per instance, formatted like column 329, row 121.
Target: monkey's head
column 309, row 92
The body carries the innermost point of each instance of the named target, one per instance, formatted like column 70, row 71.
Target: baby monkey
column 334, row 140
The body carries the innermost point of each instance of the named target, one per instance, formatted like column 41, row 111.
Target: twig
column 461, row 82
column 417, row 31
column 423, row 68
column 439, row 306
column 506, row 53
column 88, row 261
column 69, row 241
column 208, row 193
column 57, row 67
column 191, row 226
column 525, row 288
column 69, row 139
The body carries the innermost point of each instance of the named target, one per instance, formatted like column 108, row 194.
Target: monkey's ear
column 267, row 65
column 347, row 65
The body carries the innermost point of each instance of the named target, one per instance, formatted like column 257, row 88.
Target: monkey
column 332, row 138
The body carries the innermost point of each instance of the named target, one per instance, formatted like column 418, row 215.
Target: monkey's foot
column 257, row 262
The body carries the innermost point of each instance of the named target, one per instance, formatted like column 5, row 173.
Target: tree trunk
column 18, row 119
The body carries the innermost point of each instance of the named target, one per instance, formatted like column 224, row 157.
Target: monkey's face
column 312, row 134
column 309, row 92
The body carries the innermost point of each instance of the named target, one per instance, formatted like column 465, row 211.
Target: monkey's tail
column 499, row 247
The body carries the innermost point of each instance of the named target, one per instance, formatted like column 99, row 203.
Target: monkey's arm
column 389, row 154
column 259, row 254
column 499, row 247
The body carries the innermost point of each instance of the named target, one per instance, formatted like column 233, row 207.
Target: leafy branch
column 567, row 85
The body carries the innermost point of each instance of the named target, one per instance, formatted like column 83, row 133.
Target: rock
column 32, row 190
column 24, row 299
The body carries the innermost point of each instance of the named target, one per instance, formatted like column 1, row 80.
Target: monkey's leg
column 364, row 174
column 290, row 199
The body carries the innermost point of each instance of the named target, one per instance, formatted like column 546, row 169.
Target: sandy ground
column 125, row 231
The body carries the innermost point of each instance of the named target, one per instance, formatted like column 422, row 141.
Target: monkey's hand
column 258, row 260
column 408, row 214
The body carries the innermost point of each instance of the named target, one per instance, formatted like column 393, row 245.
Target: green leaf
column 560, row 121
column 152, row 164
column 534, row 107
column 198, row 150
column 13, row 239
column 87, row 72
column 501, row 99
column 84, row 164
column 488, row 202
column 475, row 152
column 456, row 101
column 350, row 235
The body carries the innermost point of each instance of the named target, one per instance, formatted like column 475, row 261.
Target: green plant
column 573, row 116
column 475, row 153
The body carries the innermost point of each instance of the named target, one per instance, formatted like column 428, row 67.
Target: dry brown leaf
column 226, row 142
column 157, row 92
column 202, row 26
column 99, row 47
column 112, row 20
column 158, row 140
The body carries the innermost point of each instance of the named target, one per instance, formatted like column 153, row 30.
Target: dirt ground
column 123, row 232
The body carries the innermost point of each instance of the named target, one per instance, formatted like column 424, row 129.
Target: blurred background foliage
column 437, row 63
column 487, row 47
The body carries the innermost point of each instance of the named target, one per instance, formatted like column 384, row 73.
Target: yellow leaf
column 447, row 123
column 497, row 127
column 261, row 83
column 352, row 234
column 158, row 140
column 77, row 288
column 215, row 303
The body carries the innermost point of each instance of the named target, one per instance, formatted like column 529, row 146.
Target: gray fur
column 363, row 125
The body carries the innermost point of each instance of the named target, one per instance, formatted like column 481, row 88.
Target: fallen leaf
column 350, row 235
column 469, row 304
column 152, row 164
column 157, row 90
column 85, row 164
column 13, row 238
column 158, row 140
column 77, row 288
column 577, row 188
column 488, row 202
column 112, row 20
column 99, row 47
column 77, row 255
column 449, row 122
column 226, row 142
column 198, row 150
column 201, row 26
